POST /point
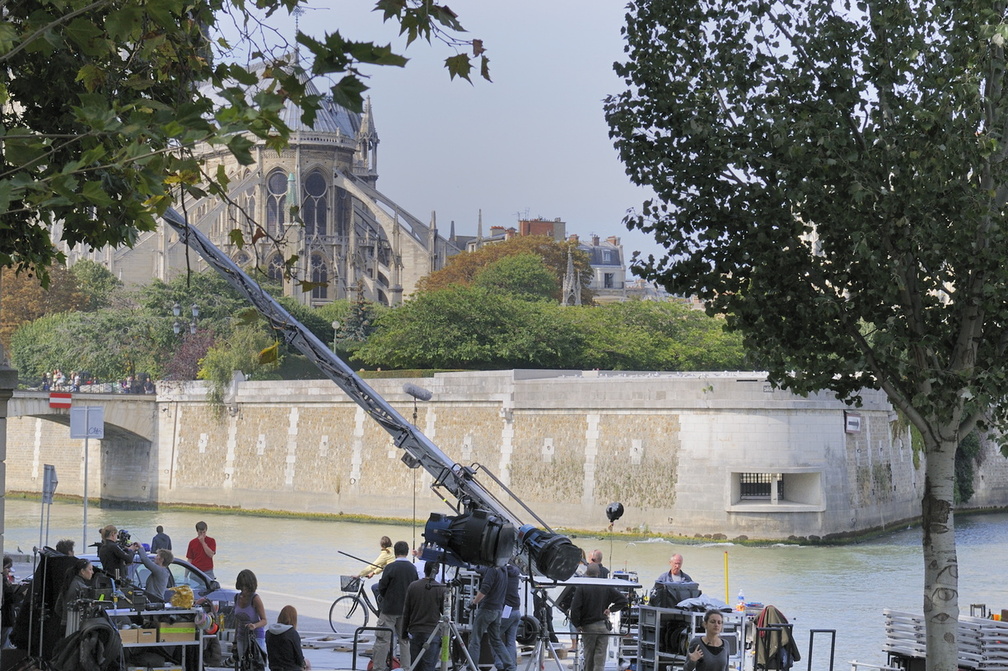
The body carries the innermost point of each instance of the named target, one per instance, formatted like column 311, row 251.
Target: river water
column 842, row 588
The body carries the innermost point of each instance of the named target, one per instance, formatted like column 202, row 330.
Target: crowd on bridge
column 83, row 381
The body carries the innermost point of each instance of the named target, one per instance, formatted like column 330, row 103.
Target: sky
column 533, row 143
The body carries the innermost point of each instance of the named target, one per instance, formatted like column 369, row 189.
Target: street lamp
column 177, row 311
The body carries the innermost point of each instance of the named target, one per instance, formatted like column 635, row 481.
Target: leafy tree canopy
column 472, row 327
column 522, row 275
column 834, row 179
column 462, row 269
column 102, row 103
column 24, row 299
column 96, row 283
column 475, row 327
column 650, row 335
column 240, row 351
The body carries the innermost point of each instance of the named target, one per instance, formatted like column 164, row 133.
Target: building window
column 797, row 491
column 320, row 277
column 275, row 270
column 315, row 209
column 608, row 279
column 276, row 203
column 757, row 486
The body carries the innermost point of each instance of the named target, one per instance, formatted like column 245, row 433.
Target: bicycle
column 352, row 610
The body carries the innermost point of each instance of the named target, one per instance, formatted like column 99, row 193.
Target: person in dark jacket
column 116, row 561
column 421, row 615
column 77, row 585
column 283, row 643
column 7, row 610
column 488, row 604
column 511, row 615
column 589, row 612
column 396, row 577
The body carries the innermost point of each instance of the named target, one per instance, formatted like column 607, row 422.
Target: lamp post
column 177, row 311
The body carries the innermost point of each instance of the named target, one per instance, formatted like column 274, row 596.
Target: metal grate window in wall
column 759, row 486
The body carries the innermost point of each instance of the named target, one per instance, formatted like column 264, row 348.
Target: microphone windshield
column 416, row 392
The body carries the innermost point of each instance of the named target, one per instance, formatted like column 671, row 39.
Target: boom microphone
column 416, row 392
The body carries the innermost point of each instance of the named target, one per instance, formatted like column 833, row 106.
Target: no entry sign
column 60, row 399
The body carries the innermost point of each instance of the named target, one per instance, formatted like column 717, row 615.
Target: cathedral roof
column 330, row 118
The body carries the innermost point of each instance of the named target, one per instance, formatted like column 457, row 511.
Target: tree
column 40, row 346
column 651, row 335
column 104, row 102
column 462, row 269
column 184, row 361
column 24, row 298
column 240, row 351
column 473, row 328
column 96, row 282
column 521, row 275
column 833, row 179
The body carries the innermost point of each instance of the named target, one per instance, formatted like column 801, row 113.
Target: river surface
column 842, row 588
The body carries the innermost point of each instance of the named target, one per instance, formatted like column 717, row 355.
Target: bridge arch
column 122, row 467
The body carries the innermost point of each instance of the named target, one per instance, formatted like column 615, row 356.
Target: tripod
column 446, row 631
column 543, row 642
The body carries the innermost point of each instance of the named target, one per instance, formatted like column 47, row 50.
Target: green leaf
column 459, row 66
column 86, row 35
column 247, row 316
column 124, row 22
column 22, row 147
column 241, row 148
column 95, row 194
column 8, row 38
column 307, row 286
column 349, row 93
column 6, row 194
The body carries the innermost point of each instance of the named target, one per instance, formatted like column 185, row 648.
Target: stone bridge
column 127, row 416
column 122, row 466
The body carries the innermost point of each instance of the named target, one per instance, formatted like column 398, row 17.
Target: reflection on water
column 842, row 588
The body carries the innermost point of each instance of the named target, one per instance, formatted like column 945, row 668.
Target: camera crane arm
column 488, row 528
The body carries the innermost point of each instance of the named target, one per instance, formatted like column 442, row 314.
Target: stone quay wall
column 709, row 455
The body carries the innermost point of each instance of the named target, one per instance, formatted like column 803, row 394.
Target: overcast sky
column 533, row 143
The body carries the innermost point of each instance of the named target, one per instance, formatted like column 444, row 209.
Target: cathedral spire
column 367, row 144
column 571, row 282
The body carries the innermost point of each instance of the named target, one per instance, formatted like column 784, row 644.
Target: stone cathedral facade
column 350, row 234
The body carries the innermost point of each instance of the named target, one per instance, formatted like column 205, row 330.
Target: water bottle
column 741, row 601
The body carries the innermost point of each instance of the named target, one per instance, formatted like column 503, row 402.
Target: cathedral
column 346, row 235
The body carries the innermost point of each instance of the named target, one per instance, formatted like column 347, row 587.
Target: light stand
column 613, row 511
column 446, row 631
column 543, row 642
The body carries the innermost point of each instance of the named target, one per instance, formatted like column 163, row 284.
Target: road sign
column 87, row 422
column 60, row 399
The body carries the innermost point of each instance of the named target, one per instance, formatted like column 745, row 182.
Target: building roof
column 331, row 118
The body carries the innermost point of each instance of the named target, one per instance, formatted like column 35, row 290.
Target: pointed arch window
column 276, row 202
column 320, row 277
column 315, row 210
column 275, row 270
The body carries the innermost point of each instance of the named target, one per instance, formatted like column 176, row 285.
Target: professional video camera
column 124, row 539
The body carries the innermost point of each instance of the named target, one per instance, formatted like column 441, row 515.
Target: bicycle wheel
column 347, row 613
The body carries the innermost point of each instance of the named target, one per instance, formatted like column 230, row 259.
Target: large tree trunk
column 941, row 568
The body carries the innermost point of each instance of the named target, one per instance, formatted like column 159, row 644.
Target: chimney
column 613, row 240
column 595, row 240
